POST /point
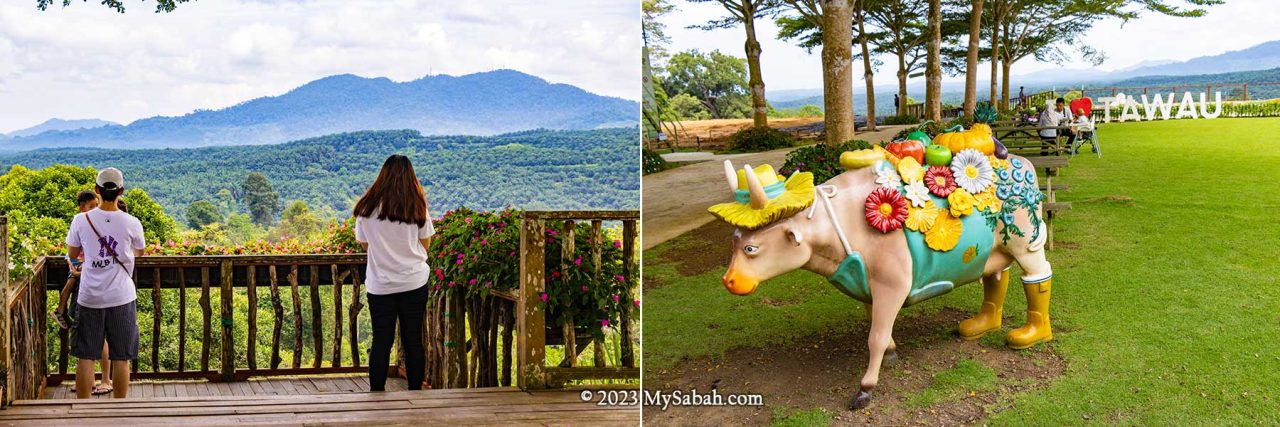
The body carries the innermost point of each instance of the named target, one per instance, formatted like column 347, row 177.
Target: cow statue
column 893, row 231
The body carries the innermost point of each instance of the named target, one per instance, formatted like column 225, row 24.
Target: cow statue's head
column 767, row 242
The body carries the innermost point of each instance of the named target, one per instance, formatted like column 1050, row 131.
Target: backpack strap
column 110, row 251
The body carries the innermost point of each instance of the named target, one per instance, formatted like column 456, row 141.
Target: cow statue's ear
column 795, row 236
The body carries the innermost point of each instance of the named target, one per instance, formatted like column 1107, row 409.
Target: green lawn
column 1166, row 300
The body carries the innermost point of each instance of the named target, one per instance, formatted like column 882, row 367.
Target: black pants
column 407, row 307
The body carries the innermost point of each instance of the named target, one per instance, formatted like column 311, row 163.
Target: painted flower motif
column 972, row 171
column 961, row 202
column 910, row 170
column 940, row 181
column 921, row 219
column 917, row 193
column 987, row 200
column 887, row 177
column 886, row 210
column 945, row 233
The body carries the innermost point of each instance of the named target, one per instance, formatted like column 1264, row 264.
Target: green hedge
column 759, row 139
column 821, row 159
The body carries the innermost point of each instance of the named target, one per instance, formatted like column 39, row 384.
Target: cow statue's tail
column 1042, row 236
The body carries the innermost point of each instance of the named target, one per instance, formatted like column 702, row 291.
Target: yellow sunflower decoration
column 945, row 233
column 961, row 202
column 922, row 218
column 780, row 197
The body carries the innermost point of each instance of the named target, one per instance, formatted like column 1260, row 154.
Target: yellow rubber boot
column 988, row 317
column 1037, row 329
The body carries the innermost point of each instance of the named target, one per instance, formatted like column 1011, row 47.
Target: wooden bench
column 1050, row 165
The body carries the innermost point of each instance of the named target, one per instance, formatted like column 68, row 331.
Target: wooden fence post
column 6, row 391
column 629, row 270
column 456, row 339
column 228, row 331
column 531, row 319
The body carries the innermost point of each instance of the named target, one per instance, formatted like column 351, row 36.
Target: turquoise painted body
column 933, row 273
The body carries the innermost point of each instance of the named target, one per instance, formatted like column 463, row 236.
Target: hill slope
column 476, row 104
column 596, row 169
column 57, row 125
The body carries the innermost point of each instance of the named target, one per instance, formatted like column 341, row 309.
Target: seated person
column 1083, row 127
column 1049, row 118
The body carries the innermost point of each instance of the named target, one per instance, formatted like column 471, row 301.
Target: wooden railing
column 533, row 371
column 22, row 338
column 282, row 280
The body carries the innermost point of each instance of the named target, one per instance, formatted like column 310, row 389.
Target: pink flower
column 617, row 244
column 604, row 322
column 584, row 288
column 619, row 278
column 471, row 282
column 577, row 261
column 543, row 297
column 484, row 242
column 615, row 298
column 467, row 220
column 637, row 303
column 450, row 284
column 555, row 274
column 459, row 261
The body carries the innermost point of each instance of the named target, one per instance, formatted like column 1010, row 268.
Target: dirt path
column 676, row 201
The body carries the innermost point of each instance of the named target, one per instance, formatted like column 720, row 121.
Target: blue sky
column 86, row 61
column 1236, row 25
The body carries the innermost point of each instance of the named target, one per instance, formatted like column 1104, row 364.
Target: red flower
column 940, row 181
column 886, row 209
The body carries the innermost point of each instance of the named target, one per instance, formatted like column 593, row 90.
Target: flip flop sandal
column 102, row 389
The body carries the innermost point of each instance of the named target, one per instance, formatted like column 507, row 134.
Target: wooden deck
column 484, row 406
column 276, row 386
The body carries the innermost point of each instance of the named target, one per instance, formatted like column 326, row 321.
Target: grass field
column 1166, row 304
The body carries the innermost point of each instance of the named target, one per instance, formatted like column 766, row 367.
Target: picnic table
column 1026, row 139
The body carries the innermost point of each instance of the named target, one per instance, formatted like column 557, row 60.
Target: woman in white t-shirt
column 393, row 226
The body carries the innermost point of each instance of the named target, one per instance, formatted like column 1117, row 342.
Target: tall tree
column 828, row 23
column 746, row 12
column 262, row 198
column 716, row 79
column 161, row 5
column 998, row 8
column 933, row 64
column 971, row 62
column 1043, row 28
column 860, row 17
column 201, row 213
column 902, row 34
column 656, row 112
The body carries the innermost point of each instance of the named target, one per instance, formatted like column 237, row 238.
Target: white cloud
column 87, row 61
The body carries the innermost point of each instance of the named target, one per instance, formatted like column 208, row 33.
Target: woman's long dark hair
column 396, row 195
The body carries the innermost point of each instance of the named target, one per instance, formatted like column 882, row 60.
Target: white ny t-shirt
column 397, row 260
column 103, row 284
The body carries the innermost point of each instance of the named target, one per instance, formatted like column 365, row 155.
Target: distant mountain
column 475, row 104
column 1260, row 57
column 57, row 125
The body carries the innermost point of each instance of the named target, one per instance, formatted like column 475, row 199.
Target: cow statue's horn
column 731, row 175
column 758, row 199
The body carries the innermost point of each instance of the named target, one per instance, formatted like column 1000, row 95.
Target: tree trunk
column 867, row 73
column 759, row 110
column 837, row 71
column 995, row 52
column 933, row 66
column 1004, row 84
column 971, row 62
column 902, row 84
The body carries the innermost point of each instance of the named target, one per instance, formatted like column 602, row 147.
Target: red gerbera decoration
column 940, row 181
column 886, row 209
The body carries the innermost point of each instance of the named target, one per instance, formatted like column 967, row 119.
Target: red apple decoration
column 907, row 148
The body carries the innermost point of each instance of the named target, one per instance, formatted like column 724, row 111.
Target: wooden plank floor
column 276, row 386
column 486, row 406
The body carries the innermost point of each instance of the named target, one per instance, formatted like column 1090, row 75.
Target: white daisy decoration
column 917, row 193
column 887, row 176
column 972, row 171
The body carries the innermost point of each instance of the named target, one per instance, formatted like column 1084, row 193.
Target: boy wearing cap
column 109, row 240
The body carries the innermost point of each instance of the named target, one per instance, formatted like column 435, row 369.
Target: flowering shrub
column 821, row 159
column 478, row 252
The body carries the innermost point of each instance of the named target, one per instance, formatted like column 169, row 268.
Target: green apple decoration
column 937, row 155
